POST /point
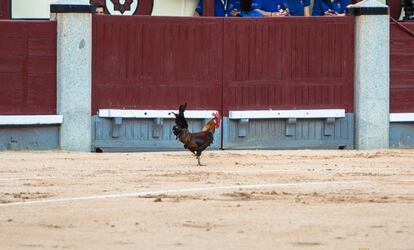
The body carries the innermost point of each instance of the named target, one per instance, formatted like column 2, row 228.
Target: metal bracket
column 116, row 125
column 290, row 126
column 243, row 127
column 97, row 129
column 13, row 145
column 157, row 127
column 329, row 126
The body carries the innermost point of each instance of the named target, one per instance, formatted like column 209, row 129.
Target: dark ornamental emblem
column 121, row 7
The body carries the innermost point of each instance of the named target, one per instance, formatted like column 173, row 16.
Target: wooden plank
column 30, row 119
column 123, row 113
column 4, row 9
column 402, row 117
column 270, row 114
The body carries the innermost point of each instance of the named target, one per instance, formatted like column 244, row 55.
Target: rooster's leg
column 198, row 157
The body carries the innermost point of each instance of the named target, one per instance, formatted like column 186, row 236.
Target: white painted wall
column 39, row 9
column 31, row 8
column 174, row 7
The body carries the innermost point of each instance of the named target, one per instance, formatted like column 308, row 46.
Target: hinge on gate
column 157, row 127
column 290, row 126
column 243, row 127
column 329, row 126
column 116, row 125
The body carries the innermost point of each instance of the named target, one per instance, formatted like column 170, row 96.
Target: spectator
column 271, row 8
column 329, row 7
column 247, row 9
column 221, row 7
column 299, row 7
column 99, row 7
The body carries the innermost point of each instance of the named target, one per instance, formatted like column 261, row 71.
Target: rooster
column 199, row 141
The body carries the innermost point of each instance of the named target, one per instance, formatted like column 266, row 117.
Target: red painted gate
column 143, row 62
column 402, row 67
column 27, row 67
column 288, row 63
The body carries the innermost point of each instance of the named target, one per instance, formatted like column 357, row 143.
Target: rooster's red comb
column 217, row 115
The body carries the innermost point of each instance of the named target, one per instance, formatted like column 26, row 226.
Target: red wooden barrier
column 288, row 63
column 27, row 67
column 159, row 62
column 402, row 67
column 142, row 62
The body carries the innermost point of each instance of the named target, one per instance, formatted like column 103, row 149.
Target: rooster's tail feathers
column 181, row 109
column 180, row 121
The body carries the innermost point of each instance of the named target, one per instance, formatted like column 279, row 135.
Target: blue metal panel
column 43, row 137
column 290, row 133
column 141, row 134
column 402, row 135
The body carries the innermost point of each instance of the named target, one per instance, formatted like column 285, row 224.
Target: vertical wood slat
column 5, row 9
column 208, row 8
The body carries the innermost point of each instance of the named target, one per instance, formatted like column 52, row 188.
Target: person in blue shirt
column 329, row 7
column 271, row 8
column 221, row 7
column 298, row 7
column 246, row 8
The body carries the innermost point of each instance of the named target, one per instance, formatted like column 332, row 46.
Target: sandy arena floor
column 239, row 200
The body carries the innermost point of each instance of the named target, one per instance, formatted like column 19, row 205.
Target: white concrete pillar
column 372, row 77
column 74, row 72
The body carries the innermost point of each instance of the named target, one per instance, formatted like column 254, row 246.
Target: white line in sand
column 27, row 178
column 184, row 190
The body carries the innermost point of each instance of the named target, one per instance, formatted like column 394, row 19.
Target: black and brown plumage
column 195, row 142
